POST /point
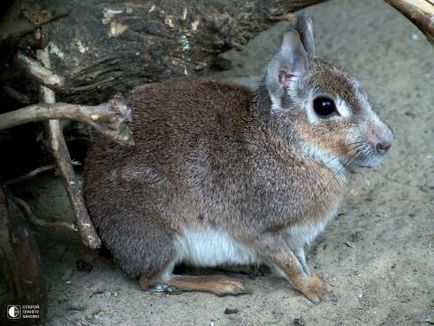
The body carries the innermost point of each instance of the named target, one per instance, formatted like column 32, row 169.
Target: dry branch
column 108, row 118
column 18, row 96
column 42, row 222
column 61, row 154
column 420, row 12
column 73, row 188
column 30, row 174
column 34, row 173
column 43, row 75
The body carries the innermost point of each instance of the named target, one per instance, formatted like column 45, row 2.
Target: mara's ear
column 304, row 27
column 288, row 63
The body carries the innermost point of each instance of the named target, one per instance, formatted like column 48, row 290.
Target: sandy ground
column 376, row 256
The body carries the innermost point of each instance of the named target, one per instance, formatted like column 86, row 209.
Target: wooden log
column 23, row 17
column 419, row 12
column 109, row 47
column 20, row 261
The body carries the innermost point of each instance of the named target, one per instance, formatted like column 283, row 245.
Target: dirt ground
column 376, row 256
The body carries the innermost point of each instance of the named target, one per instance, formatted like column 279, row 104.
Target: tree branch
column 108, row 118
column 42, row 222
column 40, row 73
column 30, row 174
column 60, row 152
column 18, row 96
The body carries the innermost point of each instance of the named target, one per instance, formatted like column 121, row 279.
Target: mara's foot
column 219, row 285
column 313, row 288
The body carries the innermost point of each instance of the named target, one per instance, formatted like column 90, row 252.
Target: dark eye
column 324, row 106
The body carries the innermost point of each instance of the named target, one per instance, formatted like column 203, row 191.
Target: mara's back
column 174, row 122
column 187, row 134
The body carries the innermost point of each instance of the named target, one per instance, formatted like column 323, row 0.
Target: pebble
column 230, row 311
column 67, row 275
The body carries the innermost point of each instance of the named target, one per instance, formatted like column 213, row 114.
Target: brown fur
column 213, row 155
column 200, row 158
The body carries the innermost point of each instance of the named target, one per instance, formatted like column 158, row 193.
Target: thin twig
column 60, row 152
column 40, row 73
column 34, row 173
column 31, row 174
column 42, row 222
column 16, row 95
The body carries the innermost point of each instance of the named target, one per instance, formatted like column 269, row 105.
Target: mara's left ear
column 291, row 61
column 304, row 27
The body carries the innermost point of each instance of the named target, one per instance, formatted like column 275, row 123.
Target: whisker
column 355, row 148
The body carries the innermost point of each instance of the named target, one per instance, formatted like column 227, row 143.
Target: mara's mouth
column 371, row 161
column 364, row 166
column 363, row 155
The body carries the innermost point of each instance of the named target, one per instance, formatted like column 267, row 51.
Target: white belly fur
column 305, row 234
column 299, row 236
column 212, row 247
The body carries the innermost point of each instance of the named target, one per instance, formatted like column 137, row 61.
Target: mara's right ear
column 291, row 61
column 304, row 27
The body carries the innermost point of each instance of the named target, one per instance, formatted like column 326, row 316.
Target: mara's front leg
column 275, row 251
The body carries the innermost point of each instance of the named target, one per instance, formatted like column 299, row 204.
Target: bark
column 24, row 16
column 112, row 46
column 20, row 260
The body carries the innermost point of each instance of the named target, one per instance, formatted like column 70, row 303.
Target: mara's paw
column 314, row 289
column 165, row 288
column 145, row 283
column 222, row 286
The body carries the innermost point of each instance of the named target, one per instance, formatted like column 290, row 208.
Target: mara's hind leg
column 219, row 285
column 141, row 243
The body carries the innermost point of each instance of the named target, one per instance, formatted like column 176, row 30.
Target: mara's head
column 321, row 107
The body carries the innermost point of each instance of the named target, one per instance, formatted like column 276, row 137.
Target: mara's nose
column 382, row 147
column 381, row 138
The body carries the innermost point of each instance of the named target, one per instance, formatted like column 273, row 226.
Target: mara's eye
column 324, row 106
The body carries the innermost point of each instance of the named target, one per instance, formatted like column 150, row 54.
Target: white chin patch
column 329, row 160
